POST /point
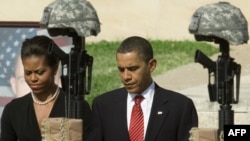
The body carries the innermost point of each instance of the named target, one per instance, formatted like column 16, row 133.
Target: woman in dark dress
column 22, row 117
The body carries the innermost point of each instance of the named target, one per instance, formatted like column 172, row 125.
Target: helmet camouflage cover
column 221, row 20
column 77, row 14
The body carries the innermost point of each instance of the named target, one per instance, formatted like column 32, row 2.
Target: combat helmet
column 221, row 20
column 79, row 15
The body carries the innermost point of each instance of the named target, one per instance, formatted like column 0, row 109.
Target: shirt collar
column 147, row 94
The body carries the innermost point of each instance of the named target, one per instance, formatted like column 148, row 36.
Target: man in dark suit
column 167, row 115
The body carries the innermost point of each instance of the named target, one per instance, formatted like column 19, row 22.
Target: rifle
column 222, row 90
column 76, row 75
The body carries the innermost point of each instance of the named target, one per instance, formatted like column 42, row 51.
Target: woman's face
column 38, row 75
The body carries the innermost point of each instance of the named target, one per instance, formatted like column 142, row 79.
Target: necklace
column 46, row 101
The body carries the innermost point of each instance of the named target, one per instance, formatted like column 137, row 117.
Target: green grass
column 169, row 55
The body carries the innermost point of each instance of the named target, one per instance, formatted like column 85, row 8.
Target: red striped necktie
column 136, row 128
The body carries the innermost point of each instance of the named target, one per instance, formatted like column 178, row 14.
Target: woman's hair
column 139, row 45
column 39, row 46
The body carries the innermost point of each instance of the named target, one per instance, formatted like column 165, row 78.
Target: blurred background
column 156, row 19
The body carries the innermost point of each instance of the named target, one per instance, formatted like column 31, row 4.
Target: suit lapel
column 121, row 109
column 158, row 114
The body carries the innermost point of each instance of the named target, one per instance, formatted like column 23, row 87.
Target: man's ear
column 152, row 64
column 56, row 69
column 13, row 84
column 57, row 75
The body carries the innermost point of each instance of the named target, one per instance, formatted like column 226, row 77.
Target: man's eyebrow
column 129, row 67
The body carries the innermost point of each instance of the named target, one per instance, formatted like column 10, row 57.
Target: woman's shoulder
column 19, row 102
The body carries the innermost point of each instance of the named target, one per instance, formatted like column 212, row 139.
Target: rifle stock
column 211, row 66
column 205, row 61
column 54, row 49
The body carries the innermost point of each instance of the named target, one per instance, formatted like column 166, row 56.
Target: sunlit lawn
column 169, row 55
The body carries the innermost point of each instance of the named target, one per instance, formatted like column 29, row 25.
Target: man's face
column 135, row 73
column 18, row 84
